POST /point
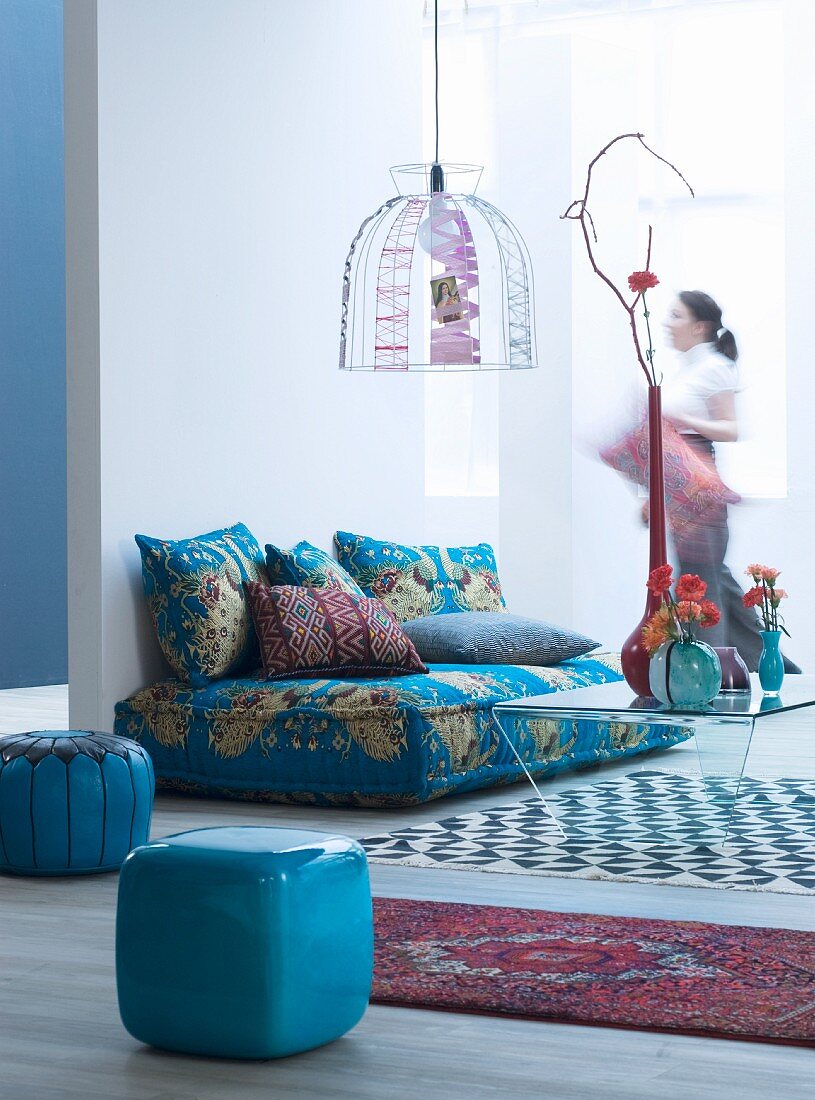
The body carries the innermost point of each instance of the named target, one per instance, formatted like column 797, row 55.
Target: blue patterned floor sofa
column 335, row 734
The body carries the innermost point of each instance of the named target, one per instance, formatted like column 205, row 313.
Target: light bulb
column 439, row 210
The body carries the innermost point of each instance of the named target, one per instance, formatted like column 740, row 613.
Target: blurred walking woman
column 699, row 396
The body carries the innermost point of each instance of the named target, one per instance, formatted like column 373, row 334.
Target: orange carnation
column 688, row 611
column 657, row 630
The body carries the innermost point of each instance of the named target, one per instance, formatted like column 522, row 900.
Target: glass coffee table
column 722, row 732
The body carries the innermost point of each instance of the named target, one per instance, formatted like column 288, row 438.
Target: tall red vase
column 635, row 657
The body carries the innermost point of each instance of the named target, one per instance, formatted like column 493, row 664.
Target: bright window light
column 710, row 76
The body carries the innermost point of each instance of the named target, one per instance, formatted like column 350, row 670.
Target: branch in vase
column 578, row 211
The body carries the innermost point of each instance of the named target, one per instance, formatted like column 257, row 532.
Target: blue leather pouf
column 72, row 802
column 244, row 942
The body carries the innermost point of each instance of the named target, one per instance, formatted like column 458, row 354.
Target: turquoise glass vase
column 770, row 663
column 685, row 674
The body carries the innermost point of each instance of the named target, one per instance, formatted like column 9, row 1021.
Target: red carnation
column 640, row 281
column 754, row 597
column 710, row 613
column 690, row 587
column 660, row 580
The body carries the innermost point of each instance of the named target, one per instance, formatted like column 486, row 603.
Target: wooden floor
column 60, row 1034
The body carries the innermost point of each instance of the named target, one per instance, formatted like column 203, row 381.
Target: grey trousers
column 704, row 554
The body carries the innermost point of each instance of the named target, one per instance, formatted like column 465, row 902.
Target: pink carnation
column 688, row 611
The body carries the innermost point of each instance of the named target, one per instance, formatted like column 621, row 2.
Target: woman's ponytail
column 726, row 344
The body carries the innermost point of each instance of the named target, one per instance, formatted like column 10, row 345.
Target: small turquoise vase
column 685, row 674
column 770, row 663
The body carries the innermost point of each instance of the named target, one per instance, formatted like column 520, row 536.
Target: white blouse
column 696, row 377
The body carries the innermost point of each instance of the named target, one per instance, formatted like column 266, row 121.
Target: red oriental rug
column 726, row 981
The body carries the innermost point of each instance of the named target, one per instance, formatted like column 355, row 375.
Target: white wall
column 610, row 545
column 534, row 150
column 239, row 147
column 555, row 525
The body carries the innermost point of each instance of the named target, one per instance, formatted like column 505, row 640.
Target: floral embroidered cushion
column 695, row 496
column 194, row 590
column 390, row 741
column 413, row 581
column 309, row 566
column 327, row 632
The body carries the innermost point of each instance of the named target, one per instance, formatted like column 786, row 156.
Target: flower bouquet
column 766, row 597
column 683, row 670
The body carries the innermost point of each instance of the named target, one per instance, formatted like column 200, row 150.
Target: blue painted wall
column 33, row 539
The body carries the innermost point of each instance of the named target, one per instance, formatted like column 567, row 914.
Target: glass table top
column 618, row 699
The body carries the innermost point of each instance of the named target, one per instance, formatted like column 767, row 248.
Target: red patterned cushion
column 695, row 495
column 327, row 632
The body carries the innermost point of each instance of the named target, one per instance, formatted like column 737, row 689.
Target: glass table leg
column 552, row 817
column 691, row 816
column 518, row 726
column 722, row 749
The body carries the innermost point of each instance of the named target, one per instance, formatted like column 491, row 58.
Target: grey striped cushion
column 493, row 638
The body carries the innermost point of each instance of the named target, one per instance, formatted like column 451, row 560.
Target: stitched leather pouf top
column 72, row 802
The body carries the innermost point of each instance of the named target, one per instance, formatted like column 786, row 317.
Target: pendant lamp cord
column 436, row 55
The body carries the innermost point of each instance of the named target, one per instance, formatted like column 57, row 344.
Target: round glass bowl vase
column 685, row 674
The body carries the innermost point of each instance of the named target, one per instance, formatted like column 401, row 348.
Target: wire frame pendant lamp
column 437, row 279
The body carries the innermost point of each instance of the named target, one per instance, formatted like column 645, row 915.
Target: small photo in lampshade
column 446, row 299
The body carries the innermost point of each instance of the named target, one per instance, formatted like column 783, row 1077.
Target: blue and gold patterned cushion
column 413, row 581
column 308, row 567
column 374, row 742
column 194, row 589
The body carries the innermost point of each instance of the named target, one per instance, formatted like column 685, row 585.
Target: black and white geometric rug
column 651, row 827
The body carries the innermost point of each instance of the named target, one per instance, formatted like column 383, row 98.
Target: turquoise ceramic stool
column 72, row 802
column 244, row 942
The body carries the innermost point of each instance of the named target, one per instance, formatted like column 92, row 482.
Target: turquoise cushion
column 308, row 566
column 194, row 589
column 414, row 581
column 244, row 941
